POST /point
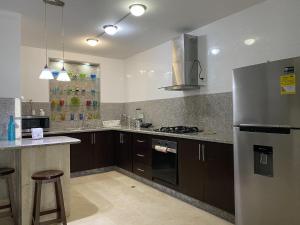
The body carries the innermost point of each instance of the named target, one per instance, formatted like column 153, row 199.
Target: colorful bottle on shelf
column 11, row 130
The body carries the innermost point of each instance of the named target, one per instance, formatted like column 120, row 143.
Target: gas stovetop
column 179, row 130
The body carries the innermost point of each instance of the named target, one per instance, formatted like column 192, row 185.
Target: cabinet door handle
column 94, row 138
column 199, row 152
column 140, row 170
column 140, row 155
column 203, row 152
column 140, row 141
column 121, row 139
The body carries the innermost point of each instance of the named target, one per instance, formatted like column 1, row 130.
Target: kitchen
column 188, row 159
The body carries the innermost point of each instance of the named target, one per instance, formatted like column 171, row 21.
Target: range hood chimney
column 186, row 67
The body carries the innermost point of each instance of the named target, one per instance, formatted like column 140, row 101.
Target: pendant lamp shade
column 63, row 76
column 46, row 74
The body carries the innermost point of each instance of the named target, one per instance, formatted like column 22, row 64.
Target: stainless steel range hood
column 185, row 64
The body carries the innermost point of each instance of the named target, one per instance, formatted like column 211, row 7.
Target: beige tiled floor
column 114, row 199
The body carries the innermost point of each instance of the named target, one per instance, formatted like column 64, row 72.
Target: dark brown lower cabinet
column 142, row 155
column 206, row 172
column 219, row 176
column 104, row 149
column 191, row 169
column 82, row 156
column 96, row 150
column 123, row 150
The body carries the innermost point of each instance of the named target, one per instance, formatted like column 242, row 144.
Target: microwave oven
column 29, row 122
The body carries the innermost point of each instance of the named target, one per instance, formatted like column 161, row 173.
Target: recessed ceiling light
column 110, row 29
column 137, row 9
column 215, row 51
column 92, row 41
column 250, row 41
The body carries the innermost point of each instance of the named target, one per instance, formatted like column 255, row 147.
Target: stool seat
column 47, row 175
column 6, row 171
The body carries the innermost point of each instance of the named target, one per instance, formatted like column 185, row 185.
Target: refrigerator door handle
column 260, row 128
column 263, row 125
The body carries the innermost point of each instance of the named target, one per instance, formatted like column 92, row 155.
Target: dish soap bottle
column 11, row 131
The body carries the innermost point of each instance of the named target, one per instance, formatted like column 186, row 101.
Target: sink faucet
column 83, row 124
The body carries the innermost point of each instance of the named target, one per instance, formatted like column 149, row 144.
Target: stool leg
column 58, row 205
column 12, row 198
column 60, row 201
column 37, row 203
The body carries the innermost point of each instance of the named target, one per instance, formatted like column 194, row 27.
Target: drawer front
column 142, row 149
column 142, row 157
column 142, row 170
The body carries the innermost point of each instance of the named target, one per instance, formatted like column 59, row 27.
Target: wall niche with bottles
column 78, row 99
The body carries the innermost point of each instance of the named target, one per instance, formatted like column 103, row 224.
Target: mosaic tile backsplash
column 79, row 99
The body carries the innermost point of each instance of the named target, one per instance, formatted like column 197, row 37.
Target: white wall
column 10, row 54
column 274, row 23
column 33, row 61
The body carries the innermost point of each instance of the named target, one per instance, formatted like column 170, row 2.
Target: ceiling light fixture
column 215, row 51
column 46, row 73
column 250, row 41
column 110, row 29
column 63, row 75
column 92, row 41
column 137, row 9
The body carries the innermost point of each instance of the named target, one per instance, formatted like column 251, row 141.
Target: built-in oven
column 29, row 122
column 164, row 161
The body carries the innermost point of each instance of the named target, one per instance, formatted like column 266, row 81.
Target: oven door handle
column 172, row 150
column 168, row 150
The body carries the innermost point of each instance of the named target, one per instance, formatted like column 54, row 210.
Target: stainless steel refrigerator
column 266, row 99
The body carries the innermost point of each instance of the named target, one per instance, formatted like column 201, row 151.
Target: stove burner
column 178, row 130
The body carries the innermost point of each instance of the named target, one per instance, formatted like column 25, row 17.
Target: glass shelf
column 78, row 90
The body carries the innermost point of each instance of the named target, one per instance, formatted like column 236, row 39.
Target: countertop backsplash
column 27, row 108
column 211, row 112
column 9, row 106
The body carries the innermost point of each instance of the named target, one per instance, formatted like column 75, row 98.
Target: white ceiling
column 163, row 20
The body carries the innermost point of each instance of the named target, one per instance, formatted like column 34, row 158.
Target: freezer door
column 257, row 95
column 267, row 178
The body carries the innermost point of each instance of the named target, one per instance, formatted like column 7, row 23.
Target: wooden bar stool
column 48, row 176
column 6, row 173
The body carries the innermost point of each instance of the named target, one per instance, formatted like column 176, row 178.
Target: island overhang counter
column 27, row 157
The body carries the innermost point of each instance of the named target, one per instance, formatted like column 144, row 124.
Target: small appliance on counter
column 179, row 130
column 29, row 122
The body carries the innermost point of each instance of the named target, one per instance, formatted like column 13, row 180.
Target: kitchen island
column 28, row 156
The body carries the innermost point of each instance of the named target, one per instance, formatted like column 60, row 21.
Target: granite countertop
column 29, row 143
column 226, row 138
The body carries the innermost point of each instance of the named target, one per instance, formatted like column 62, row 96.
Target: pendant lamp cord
column 63, row 35
column 45, row 33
